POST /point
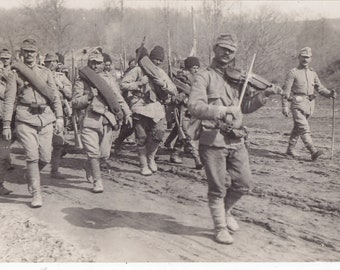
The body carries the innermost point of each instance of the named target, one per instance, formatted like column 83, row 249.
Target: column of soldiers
column 34, row 100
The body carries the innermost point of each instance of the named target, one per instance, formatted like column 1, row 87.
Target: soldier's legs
column 4, row 163
column 214, row 160
column 124, row 132
column 105, row 144
column 155, row 135
column 58, row 145
column 172, row 135
column 91, row 139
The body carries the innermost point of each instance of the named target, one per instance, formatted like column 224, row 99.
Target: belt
column 32, row 105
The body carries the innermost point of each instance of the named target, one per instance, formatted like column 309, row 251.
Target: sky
column 300, row 9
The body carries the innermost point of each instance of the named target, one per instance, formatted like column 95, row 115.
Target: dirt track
column 291, row 215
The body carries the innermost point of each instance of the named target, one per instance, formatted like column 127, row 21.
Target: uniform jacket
column 64, row 85
column 299, row 87
column 209, row 92
column 19, row 90
column 95, row 114
column 144, row 100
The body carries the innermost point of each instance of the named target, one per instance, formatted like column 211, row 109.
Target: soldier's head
column 51, row 61
column 225, row 48
column 29, row 51
column 192, row 64
column 107, row 62
column 305, row 56
column 1, row 69
column 5, row 57
column 95, row 61
column 157, row 55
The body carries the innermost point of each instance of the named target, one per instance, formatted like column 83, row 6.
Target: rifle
column 77, row 140
column 140, row 49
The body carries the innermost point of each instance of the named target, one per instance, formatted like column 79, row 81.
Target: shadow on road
column 99, row 218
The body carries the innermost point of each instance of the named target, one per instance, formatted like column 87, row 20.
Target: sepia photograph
column 171, row 132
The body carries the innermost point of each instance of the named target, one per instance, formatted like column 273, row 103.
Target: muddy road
column 291, row 215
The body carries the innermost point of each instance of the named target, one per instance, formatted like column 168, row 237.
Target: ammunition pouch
column 35, row 108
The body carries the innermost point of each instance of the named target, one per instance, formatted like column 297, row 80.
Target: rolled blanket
column 94, row 79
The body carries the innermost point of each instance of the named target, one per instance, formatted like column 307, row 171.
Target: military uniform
column 34, row 119
column 299, row 90
column 148, row 115
column 96, row 123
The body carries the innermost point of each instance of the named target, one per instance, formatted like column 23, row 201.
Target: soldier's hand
column 333, row 94
column 285, row 111
column 128, row 121
column 59, row 125
column 233, row 110
column 144, row 80
column 273, row 90
column 7, row 134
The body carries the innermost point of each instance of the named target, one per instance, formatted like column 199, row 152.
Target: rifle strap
column 42, row 87
column 94, row 80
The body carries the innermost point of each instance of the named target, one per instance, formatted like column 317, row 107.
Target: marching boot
column 229, row 201
column 3, row 190
column 97, row 179
column 222, row 235
column 196, row 156
column 307, row 140
column 33, row 175
column 151, row 148
column 88, row 171
column 144, row 168
column 55, row 162
column 291, row 145
column 3, row 172
column 174, row 157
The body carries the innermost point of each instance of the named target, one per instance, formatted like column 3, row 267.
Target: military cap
column 95, row 55
column 4, row 53
column 191, row 61
column 306, row 51
column 29, row 45
column 51, row 57
column 157, row 53
column 227, row 41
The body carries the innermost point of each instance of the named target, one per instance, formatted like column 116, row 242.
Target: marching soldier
column 213, row 99
column 37, row 98
column 65, row 89
column 6, row 59
column 148, row 95
column 102, row 107
column 299, row 87
column 4, row 144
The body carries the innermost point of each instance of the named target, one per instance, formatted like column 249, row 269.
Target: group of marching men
column 32, row 98
column 35, row 100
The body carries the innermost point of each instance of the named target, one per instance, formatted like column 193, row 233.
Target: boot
column 290, row 152
column 292, row 143
column 222, row 235
column 55, row 163
column 97, row 180
column 3, row 190
column 152, row 147
column 174, row 157
column 229, row 201
column 88, row 172
column 307, row 140
column 33, row 175
column 144, row 168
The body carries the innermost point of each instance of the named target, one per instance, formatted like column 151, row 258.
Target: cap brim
column 29, row 49
column 230, row 47
column 306, row 55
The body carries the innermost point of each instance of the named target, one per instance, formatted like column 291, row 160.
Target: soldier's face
column 157, row 62
column 6, row 61
column 223, row 55
column 30, row 57
column 52, row 65
column 95, row 65
column 108, row 66
column 305, row 60
column 193, row 69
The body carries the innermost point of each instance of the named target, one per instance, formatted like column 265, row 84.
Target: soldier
column 191, row 65
column 97, row 114
column 37, row 98
column 6, row 59
column 4, row 144
column 222, row 150
column 65, row 90
column 299, row 89
column 148, row 94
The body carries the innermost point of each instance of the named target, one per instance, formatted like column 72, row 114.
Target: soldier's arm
column 79, row 99
column 287, row 88
column 167, row 85
column 198, row 100
column 131, row 81
column 67, row 88
column 252, row 103
column 9, row 99
column 125, row 108
column 320, row 88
